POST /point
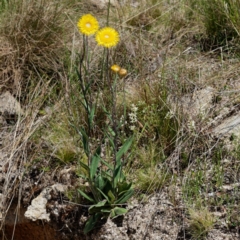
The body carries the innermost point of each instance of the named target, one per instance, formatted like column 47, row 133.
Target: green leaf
column 104, row 195
column 83, row 102
column 125, row 197
column 102, row 209
column 94, row 165
column 85, row 196
column 106, row 175
column 116, row 176
column 123, row 187
column 106, row 210
column 124, row 149
column 100, row 182
column 85, row 141
column 117, row 211
column 88, row 86
column 99, row 204
column 98, row 151
column 84, row 166
column 110, row 138
column 91, row 222
column 97, row 207
column 78, row 73
column 111, row 196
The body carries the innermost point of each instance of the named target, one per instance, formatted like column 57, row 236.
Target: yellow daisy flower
column 88, row 24
column 107, row 37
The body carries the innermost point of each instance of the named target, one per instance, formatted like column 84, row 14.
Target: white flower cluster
column 133, row 117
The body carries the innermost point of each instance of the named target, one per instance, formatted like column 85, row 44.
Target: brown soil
column 17, row 227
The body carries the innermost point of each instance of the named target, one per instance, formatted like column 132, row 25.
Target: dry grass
column 34, row 35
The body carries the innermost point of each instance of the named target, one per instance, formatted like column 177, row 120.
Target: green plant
column 194, row 186
column 109, row 189
column 3, row 5
column 201, row 221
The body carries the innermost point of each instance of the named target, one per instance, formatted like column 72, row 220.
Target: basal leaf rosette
column 88, row 24
column 107, row 37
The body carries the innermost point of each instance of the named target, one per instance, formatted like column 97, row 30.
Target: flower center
column 88, row 25
column 106, row 36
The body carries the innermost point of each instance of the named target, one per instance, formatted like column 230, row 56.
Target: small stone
column 9, row 105
column 101, row 4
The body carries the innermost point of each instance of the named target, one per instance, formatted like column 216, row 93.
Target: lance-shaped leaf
column 116, row 175
column 86, row 196
column 84, row 166
column 123, row 187
column 123, row 149
column 85, row 141
column 111, row 196
column 117, row 211
column 125, row 197
column 96, row 208
column 94, row 163
column 104, row 195
column 100, row 182
column 91, row 222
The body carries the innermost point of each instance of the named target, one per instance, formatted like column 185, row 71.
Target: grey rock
column 228, row 126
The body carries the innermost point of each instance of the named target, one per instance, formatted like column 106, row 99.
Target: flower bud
column 115, row 68
column 122, row 72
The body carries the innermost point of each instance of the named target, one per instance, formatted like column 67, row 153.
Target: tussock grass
column 201, row 222
column 33, row 33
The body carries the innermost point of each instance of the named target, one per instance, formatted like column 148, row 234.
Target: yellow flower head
column 88, row 24
column 107, row 37
column 115, row 68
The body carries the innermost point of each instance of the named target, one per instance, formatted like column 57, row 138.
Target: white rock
column 9, row 104
column 59, row 187
column 101, row 4
column 37, row 209
column 202, row 101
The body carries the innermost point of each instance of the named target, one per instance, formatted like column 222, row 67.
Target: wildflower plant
column 108, row 188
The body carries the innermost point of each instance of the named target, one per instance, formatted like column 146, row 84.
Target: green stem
column 108, row 13
column 114, row 119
